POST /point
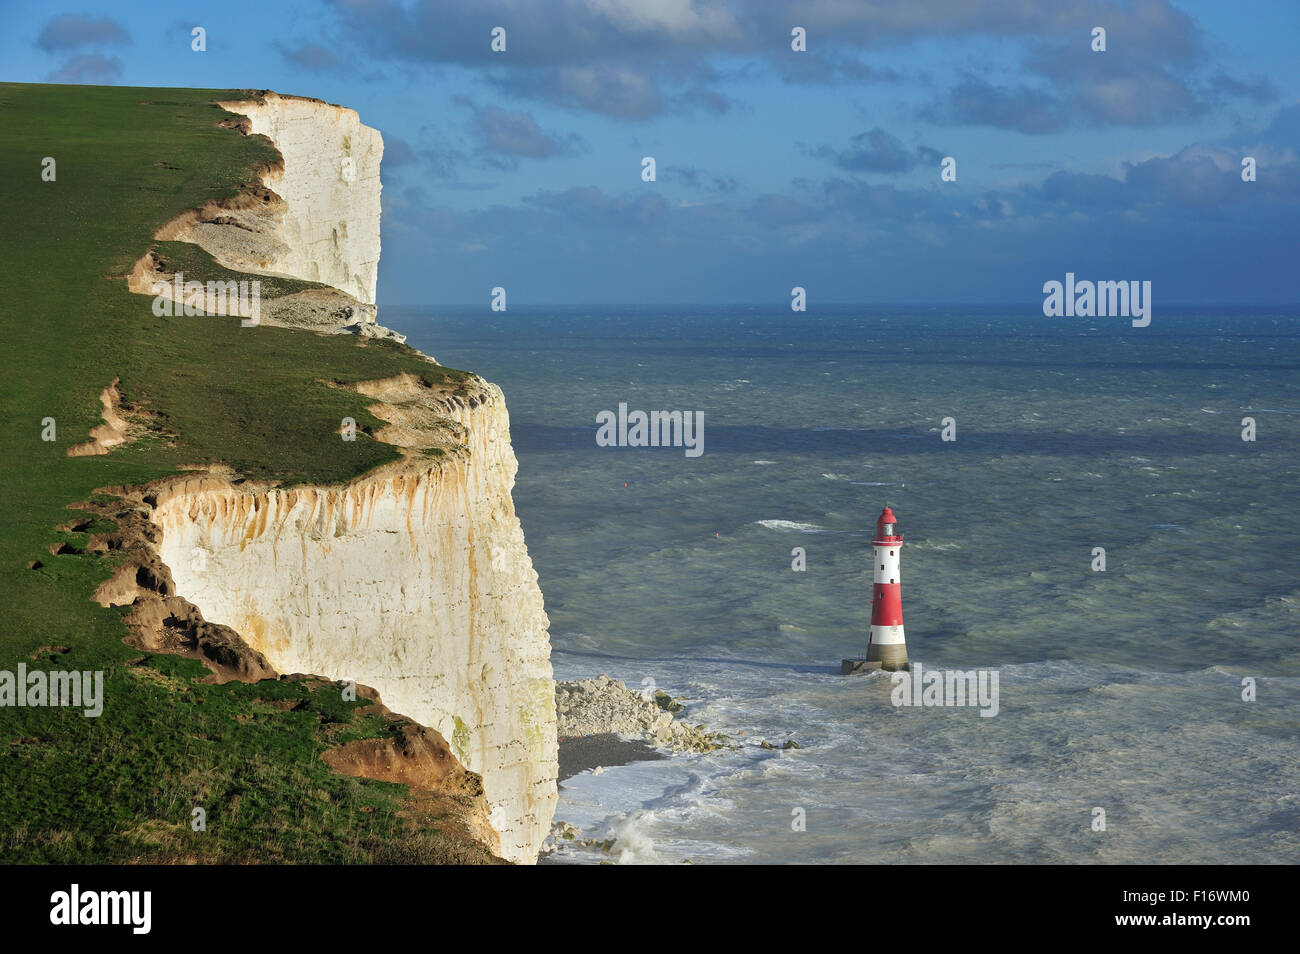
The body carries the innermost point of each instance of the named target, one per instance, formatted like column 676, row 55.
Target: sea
column 1106, row 517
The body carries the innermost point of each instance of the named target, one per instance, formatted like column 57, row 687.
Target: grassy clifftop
column 123, row 786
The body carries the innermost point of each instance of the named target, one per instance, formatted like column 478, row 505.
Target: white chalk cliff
column 330, row 183
column 413, row 579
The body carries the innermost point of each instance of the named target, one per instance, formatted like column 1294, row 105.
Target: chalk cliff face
column 330, row 184
column 414, row 578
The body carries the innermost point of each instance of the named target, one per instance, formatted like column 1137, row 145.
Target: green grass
column 121, row 787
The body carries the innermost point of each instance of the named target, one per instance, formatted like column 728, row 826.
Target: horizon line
column 1036, row 304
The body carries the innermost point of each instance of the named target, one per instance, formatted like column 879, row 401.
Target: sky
column 775, row 167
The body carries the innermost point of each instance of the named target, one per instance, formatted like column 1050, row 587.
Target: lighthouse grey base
column 891, row 657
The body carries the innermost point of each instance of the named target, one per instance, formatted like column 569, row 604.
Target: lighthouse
column 887, row 648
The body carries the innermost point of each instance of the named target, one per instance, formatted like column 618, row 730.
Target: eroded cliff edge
column 414, row 578
column 330, row 189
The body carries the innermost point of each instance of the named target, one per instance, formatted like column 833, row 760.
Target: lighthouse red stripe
column 887, row 606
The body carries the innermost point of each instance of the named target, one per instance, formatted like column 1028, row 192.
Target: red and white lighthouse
column 888, row 647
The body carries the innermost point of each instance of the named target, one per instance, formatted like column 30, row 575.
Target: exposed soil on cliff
column 419, row 757
column 123, row 423
column 418, row 413
column 159, row 619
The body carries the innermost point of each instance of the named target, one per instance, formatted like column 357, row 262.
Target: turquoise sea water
column 1119, row 690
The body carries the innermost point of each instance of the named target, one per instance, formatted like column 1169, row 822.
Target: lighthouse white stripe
column 887, row 635
column 886, row 565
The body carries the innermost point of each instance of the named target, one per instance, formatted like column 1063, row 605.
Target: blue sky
column 775, row 168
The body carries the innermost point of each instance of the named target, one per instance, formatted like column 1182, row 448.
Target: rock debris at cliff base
column 590, row 707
